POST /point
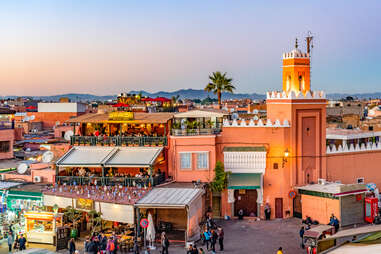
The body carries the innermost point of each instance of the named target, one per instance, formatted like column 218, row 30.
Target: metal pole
column 145, row 240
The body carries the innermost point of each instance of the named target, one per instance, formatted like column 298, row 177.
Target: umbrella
column 151, row 233
column 120, row 105
column 31, row 107
column 162, row 99
column 147, row 99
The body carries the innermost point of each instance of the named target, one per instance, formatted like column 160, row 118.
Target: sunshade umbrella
column 151, row 233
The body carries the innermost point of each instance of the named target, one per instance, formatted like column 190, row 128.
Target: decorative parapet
column 314, row 95
column 255, row 123
column 352, row 149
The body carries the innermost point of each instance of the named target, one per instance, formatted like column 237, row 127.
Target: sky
column 107, row 47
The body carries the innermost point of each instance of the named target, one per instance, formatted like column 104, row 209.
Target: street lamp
column 285, row 156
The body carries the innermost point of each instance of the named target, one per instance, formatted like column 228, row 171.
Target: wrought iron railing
column 112, row 181
column 118, row 141
column 195, row 132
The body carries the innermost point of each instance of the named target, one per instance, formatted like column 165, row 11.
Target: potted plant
column 74, row 216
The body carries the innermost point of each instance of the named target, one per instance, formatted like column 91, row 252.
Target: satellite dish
column 255, row 111
column 32, row 117
column 235, row 116
column 57, row 123
column 26, row 119
column 22, row 168
column 47, row 157
column 68, row 134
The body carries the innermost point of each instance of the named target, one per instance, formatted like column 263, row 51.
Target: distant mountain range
column 186, row 93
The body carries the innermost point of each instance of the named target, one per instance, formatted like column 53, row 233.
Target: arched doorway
column 245, row 200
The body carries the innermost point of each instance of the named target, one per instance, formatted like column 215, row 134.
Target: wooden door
column 216, row 206
column 297, row 206
column 245, row 200
column 279, row 208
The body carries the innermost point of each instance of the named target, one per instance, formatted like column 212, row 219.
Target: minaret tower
column 296, row 71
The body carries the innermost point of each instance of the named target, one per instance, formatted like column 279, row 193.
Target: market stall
column 40, row 227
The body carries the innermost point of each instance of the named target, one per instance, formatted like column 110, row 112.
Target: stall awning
column 82, row 156
column 244, row 181
column 170, row 197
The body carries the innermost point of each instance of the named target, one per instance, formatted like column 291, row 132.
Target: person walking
column 136, row 247
column 267, row 211
column 71, row 246
column 301, row 234
column 240, row 214
column 221, row 234
column 213, row 240
column 201, row 251
column 164, row 243
column 22, row 242
column 10, row 241
column 86, row 245
column 207, row 237
column 280, row 251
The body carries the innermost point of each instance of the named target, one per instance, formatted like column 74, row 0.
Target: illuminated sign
column 85, row 204
column 120, row 116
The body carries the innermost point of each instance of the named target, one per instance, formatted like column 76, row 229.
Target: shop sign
column 120, row 116
column 85, row 204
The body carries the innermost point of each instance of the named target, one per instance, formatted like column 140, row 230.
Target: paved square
column 247, row 236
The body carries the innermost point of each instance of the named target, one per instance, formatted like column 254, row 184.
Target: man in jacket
column 221, row 234
column 10, row 241
column 22, row 242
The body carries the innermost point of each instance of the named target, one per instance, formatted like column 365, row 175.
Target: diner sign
column 120, row 116
column 86, row 204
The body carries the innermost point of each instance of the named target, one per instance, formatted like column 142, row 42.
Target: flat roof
column 200, row 113
column 334, row 188
column 139, row 118
column 6, row 185
column 346, row 134
column 170, row 197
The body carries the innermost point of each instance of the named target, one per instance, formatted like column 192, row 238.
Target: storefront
column 40, row 227
column 177, row 211
column 244, row 192
column 245, row 186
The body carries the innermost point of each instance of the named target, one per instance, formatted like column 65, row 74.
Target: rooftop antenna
column 296, row 43
column 309, row 39
column 310, row 45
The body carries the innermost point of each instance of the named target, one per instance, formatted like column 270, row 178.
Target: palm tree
column 219, row 84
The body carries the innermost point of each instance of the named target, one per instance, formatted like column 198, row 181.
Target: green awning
column 244, row 149
column 248, row 181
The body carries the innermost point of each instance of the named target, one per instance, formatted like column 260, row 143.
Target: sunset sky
column 107, row 47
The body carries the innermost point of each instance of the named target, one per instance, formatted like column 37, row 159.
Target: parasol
column 151, row 233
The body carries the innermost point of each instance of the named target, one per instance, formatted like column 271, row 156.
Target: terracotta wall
column 191, row 144
column 7, row 135
column 319, row 208
column 347, row 167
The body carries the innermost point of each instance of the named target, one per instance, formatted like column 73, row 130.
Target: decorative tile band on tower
column 292, row 95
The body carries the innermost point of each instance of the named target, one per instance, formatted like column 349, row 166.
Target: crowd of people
column 16, row 243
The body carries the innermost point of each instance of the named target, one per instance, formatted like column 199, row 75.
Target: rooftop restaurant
column 121, row 128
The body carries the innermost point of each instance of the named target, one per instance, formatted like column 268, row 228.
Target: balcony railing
column 112, row 181
column 118, row 141
column 195, row 132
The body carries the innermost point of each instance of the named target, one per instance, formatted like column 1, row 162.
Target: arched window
column 302, row 85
